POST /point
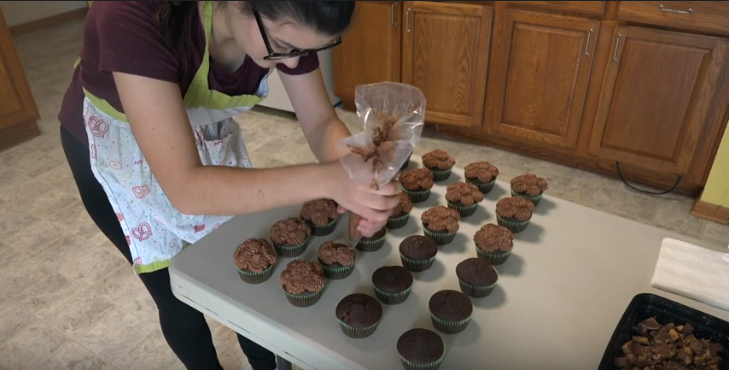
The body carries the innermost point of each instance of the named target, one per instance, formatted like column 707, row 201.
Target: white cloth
column 693, row 272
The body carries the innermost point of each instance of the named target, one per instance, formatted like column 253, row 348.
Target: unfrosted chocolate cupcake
column 440, row 223
column 321, row 215
column 476, row 277
column 417, row 252
column 421, row 349
column 464, row 198
column 439, row 163
column 401, row 213
column 303, row 282
column 336, row 259
column 373, row 243
column 450, row 311
column 358, row 315
column 255, row 260
column 529, row 186
column 514, row 213
column 494, row 243
column 417, row 184
column 393, row 284
column 481, row 174
column 290, row 236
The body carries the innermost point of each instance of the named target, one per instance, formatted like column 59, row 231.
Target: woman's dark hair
column 175, row 18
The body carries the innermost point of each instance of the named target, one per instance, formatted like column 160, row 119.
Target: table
column 558, row 299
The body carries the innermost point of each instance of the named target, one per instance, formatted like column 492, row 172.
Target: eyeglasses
column 272, row 55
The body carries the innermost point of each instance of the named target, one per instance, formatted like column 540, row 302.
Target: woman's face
column 283, row 35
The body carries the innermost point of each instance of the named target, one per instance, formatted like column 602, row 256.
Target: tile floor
column 68, row 300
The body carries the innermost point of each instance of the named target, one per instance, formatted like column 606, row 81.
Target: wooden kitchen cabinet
column 18, row 111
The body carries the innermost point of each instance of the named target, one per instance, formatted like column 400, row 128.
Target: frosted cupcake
column 514, row 213
column 481, row 174
column 529, row 186
column 401, row 213
column 494, row 243
column 439, row 163
column 440, row 224
column 255, row 260
column 290, row 236
column 321, row 215
column 303, row 282
column 417, row 184
column 464, row 198
column 337, row 260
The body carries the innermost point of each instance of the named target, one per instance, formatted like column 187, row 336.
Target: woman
column 158, row 161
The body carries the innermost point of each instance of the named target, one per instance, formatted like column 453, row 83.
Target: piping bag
column 392, row 115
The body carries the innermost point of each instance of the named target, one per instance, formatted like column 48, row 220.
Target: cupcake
column 373, row 243
column 476, row 277
column 514, row 213
column 358, row 315
column 440, row 224
column 450, row 311
column 417, row 184
column 401, row 213
column 392, row 284
column 321, row 215
column 255, row 259
column 406, row 163
column 417, row 253
column 529, row 186
column 494, row 243
column 464, row 198
column 421, row 349
column 481, row 174
column 303, row 283
column 337, row 260
column 290, row 236
column 439, row 163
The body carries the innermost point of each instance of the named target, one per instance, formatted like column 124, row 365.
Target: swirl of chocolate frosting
column 493, row 238
column 515, row 208
column 254, row 255
column 481, row 171
column 319, row 212
column 417, row 179
column 464, row 194
column 301, row 277
column 330, row 253
column 404, row 207
column 291, row 231
column 529, row 184
column 438, row 159
column 441, row 218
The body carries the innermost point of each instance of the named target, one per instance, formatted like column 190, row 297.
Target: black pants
column 184, row 328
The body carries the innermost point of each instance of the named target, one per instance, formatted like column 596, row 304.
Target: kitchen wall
column 717, row 186
column 19, row 12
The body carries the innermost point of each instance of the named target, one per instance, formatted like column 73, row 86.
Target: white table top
column 558, row 299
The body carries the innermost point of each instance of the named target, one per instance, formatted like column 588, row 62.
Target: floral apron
column 155, row 230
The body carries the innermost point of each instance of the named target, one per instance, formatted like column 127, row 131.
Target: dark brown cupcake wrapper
column 366, row 245
column 440, row 238
column 304, row 300
column 440, row 175
column 449, row 327
column 291, row 251
column 429, row 366
column 357, row 333
column 337, row 273
column 416, row 265
column 323, row 230
column 493, row 258
column 417, row 196
column 392, row 298
column 485, row 187
column 476, row 291
column 464, row 211
column 513, row 225
column 398, row 222
column 535, row 199
column 256, row 277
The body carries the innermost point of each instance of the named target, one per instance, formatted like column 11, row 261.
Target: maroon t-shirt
column 122, row 36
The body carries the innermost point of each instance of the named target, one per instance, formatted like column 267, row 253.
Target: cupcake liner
column 440, row 175
column 493, row 258
column 304, row 300
column 256, row 277
column 357, row 333
column 370, row 245
column 337, row 273
column 485, row 187
column 392, row 298
column 449, row 327
column 513, row 225
column 419, row 196
column 534, row 199
column 464, row 211
column 409, row 365
column 323, row 230
column 291, row 250
column 397, row 222
column 416, row 265
column 440, row 238
column 476, row 291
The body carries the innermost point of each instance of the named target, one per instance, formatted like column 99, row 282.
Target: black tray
column 647, row 305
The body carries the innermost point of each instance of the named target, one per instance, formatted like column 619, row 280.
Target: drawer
column 708, row 16
column 587, row 7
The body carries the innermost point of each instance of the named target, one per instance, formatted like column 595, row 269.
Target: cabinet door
column 656, row 94
column 16, row 101
column 370, row 49
column 540, row 76
column 445, row 54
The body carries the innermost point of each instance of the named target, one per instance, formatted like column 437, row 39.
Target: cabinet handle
column 667, row 10
column 617, row 45
column 392, row 14
column 407, row 21
column 587, row 45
